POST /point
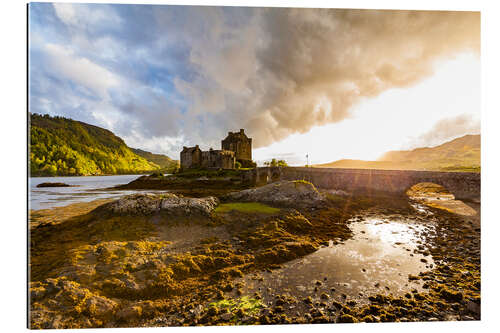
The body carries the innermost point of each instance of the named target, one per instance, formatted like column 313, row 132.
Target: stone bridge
column 464, row 185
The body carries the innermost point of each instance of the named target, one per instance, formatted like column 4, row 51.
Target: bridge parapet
column 464, row 185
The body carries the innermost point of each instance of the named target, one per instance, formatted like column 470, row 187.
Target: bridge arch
column 427, row 190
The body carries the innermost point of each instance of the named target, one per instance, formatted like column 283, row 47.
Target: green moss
column 301, row 181
column 246, row 304
column 246, row 207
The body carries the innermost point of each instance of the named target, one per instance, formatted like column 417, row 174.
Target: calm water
column 378, row 259
column 88, row 189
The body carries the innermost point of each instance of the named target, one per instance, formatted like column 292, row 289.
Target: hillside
column 461, row 154
column 65, row 147
column 163, row 161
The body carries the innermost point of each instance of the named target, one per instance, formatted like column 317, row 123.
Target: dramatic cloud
column 81, row 71
column 448, row 129
column 189, row 74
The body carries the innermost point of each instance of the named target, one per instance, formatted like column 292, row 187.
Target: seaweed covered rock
column 74, row 303
column 53, row 185
column 284, row 193
column 147, row 204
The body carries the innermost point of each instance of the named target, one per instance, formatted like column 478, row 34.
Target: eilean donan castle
column 236, row 147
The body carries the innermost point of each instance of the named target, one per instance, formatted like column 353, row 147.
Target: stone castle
column 235, row 147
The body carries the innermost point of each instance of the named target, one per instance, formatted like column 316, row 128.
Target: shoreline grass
column 246, row 207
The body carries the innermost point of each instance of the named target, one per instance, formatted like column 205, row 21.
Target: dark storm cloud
column 198, row 72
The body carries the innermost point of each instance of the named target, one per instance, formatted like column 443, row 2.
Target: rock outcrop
column 53, row 185
column 147, row 204
column 70, row 300
column 296, row 193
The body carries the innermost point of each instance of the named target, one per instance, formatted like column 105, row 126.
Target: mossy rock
column 346, row 318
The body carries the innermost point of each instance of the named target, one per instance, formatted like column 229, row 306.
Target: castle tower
column 240, row 144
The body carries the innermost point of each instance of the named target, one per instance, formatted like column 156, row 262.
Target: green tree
column 276, row 163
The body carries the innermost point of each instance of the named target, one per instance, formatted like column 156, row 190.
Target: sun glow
column 390, row 121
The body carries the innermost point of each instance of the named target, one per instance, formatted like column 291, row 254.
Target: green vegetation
column 65, row 147
column 302, row 181
column 209, row 173
column 276, row 163
column 245, row 304
column 246, row 207
column 459, row 168
column 166, row 164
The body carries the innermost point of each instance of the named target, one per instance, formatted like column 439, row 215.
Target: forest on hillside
column 65, row 147
column 165, row 162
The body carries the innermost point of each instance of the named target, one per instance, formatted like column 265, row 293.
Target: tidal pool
column 378, row 259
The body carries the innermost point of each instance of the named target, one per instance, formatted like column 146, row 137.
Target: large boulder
column 295, row 193
column 146, row 204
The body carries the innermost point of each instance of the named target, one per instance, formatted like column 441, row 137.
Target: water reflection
column 378, row 259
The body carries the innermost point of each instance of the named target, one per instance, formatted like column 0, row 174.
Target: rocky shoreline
column 193, row 184
column 171, row 260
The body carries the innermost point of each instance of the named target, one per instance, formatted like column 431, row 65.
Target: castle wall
column 191, row 158
column 222, row 159
column 227, row 161
column 186, row 160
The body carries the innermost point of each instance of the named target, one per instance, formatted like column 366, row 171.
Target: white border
column 13, row 139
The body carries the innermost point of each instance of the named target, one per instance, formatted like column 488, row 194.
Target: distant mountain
column 64, row 147
column 163, row 161
column 461, row 154
column 356, row 164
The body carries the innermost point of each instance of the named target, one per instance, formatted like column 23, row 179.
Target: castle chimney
column 197, row 146
column 242, row 131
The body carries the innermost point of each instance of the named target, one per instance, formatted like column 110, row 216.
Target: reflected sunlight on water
column 377, row 259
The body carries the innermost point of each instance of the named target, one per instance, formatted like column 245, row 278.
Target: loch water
column 83, row 189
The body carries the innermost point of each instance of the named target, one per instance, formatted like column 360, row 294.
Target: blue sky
column 166, row 76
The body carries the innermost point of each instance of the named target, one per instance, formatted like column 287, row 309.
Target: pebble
column 452, row 317
column 226, row 316
column 473, row 307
